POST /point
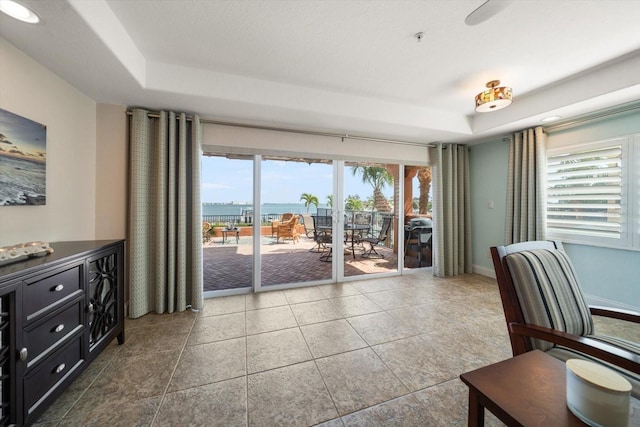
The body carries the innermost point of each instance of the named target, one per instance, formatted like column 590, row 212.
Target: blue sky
column 22, row 137
column 226, row 180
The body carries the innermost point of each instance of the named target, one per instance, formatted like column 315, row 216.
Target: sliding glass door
column 315, row 221
column 227, row 222
column 369, row 226
column 418, row 225
column 295, row 240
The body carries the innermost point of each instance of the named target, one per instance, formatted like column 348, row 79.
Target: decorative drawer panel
column 41, row 294
column 51, row 333
column 52, row 371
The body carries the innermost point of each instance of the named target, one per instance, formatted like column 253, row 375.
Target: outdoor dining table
column 355, row 230
column 352, row 231
column 226, row 231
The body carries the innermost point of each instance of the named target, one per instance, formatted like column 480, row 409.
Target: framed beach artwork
column 23, row 161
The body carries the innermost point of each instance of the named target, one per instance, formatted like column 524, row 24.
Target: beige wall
column 111, row 171
column 32, row 91
column 87, row 154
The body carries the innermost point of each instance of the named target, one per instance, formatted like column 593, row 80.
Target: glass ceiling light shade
column 18, row 11
column 494, row 98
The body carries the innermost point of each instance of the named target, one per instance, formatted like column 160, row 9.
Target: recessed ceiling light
column 550, row 119
column 18, row 11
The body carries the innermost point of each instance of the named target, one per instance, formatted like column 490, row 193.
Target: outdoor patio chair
column 287, row 230
column 206, row 233
column 307, row 222
column 376, row 240
column 285, row 217
column 322, row 235
column 361, row 219
column 545, row 309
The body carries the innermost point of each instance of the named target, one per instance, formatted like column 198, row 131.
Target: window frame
column 629, row 199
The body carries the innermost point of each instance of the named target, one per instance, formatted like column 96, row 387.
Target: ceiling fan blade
column 485, row 11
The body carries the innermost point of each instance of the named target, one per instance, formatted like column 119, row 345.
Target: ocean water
column 22, row 182
column 267, row 208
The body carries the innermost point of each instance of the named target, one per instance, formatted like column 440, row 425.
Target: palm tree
column 424, row 177
column 378, row 177
column 330, row 200
column 353, row 203
column 309, row 199
column 370, row 202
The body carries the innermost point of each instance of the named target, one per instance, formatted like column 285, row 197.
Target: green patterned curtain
column 451, row 210
column 165, row 213
column 526, row 195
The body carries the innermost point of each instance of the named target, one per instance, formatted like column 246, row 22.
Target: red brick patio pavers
column 230, row 266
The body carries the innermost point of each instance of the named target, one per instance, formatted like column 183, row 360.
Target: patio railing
column 238, row 219
column 373, row 218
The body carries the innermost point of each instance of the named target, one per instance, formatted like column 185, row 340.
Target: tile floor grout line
column 345, row 318
column 315, row 363
column 84, row 391
column 444, row 399
column 391, row 370
column 324, row 382
column 173, row 372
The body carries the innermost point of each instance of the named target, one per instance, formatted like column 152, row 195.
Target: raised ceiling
column 349, row 67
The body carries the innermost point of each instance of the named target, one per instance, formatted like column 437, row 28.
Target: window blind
column 584, row 192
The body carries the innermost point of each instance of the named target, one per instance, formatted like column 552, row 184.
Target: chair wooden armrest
column 285, row 224
column 598, row 349
column 628, row 315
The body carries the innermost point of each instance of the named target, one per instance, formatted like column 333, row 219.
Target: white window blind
column 593, row 193
column 584, row 192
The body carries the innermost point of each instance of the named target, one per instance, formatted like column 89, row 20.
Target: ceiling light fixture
column 494, row 98
column 18, row 11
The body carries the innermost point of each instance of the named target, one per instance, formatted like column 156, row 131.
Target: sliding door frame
column 337, row 226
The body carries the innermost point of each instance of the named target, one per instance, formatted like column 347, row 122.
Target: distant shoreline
column 32, row 159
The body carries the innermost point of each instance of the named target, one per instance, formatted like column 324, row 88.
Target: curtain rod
column 155, row 115
column 596, row 116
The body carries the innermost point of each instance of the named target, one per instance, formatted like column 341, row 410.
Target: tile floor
column 382, row 352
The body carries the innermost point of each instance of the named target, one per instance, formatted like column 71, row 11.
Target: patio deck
column 230, row 265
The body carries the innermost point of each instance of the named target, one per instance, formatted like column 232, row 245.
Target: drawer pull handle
column 23, row 354
column 60, row 368
column 58, row 288
column 59, row 328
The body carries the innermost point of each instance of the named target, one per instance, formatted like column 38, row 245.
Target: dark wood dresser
column 57, row 313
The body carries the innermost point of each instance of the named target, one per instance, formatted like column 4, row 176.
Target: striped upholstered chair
column 545, row 309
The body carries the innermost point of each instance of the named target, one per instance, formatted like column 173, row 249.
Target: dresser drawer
column 46, row 377
column 42, row 293
column 46, row 336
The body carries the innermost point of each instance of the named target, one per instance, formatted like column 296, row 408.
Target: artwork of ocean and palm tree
column 23, row 160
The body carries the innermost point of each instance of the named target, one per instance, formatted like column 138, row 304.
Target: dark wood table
column 226, row 231
column 527, row 390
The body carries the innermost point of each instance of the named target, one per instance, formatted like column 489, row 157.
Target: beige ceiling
column 344, row 66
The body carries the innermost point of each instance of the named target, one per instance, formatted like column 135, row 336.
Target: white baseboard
column 594, row 300
column 489, row 272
